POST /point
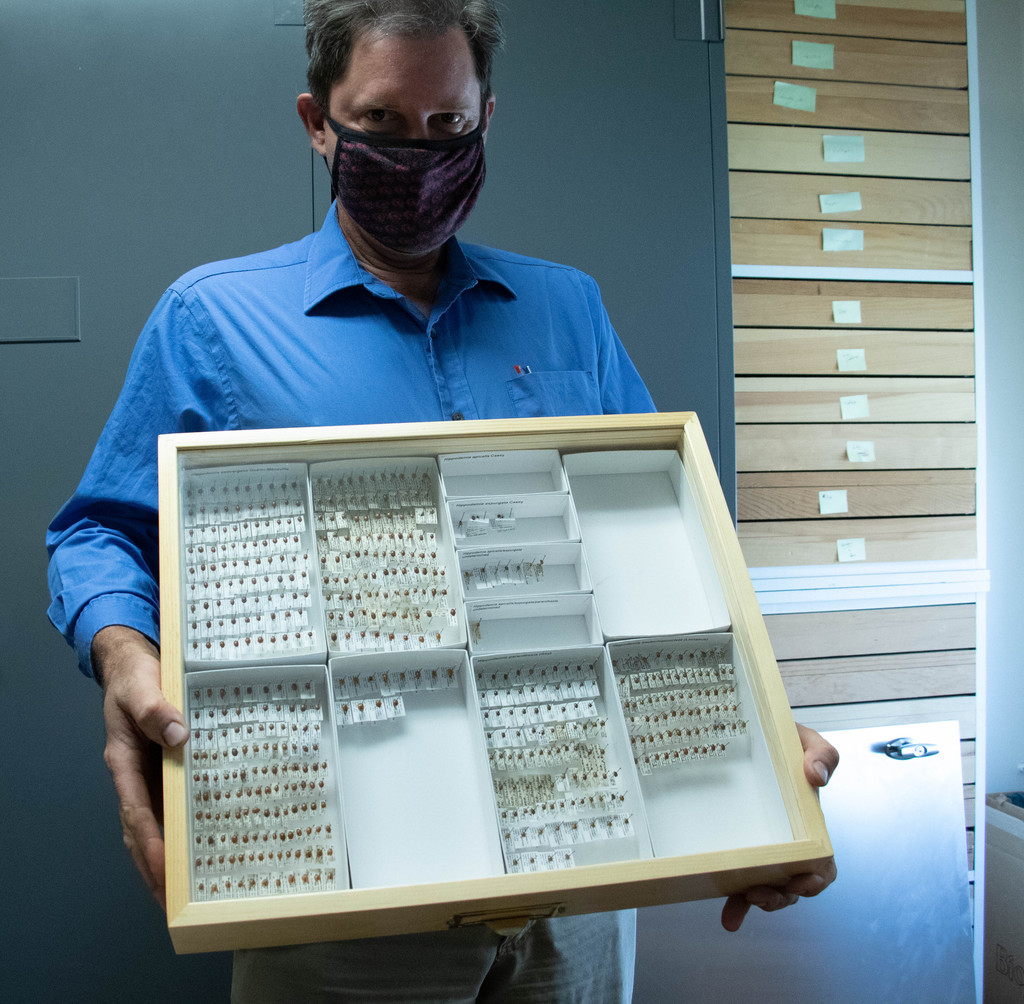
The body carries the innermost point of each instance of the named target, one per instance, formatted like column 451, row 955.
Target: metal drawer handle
column 907, row 749
column 510, row 916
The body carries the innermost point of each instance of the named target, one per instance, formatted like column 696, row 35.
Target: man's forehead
column 390, row 98
column 385, row 69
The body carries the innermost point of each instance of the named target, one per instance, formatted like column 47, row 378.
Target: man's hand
column 139, row 721
column 820, row 761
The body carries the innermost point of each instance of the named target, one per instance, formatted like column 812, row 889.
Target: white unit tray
column 649, row 559
column 415, row 779
column 522, row 472
column 513, row 519
column 533, row 569
column 564, row 621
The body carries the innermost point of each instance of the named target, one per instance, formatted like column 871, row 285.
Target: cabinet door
column 896, row 923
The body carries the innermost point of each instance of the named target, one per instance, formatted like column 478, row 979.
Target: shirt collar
column 331, row 267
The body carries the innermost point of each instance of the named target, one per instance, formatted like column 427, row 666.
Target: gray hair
column 333, row 27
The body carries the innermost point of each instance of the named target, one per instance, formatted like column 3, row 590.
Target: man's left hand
column 820, row 761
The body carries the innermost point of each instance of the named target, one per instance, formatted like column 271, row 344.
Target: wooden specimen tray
column 326, row 891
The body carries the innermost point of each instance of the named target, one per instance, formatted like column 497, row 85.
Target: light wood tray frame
column 245, row 923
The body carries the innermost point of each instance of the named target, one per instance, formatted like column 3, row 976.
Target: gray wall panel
column 602, row 142
column 138, row 139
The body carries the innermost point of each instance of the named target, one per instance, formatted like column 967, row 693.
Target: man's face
column 409, row 88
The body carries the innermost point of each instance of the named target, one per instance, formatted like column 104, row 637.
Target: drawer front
column 886, row 154
column 901, row 676
column 876, row 245
column 868, row 60
column 825, row 447
column 850, row 106
column 889, row 353
column 796, row 494
column 774, row 544
column 763, row 195
column 873, row 632
column 932, row 20
column 879, row 399
column 802, row 303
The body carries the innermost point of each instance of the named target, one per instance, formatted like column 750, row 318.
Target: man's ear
column 314, row 120
column 488, row 112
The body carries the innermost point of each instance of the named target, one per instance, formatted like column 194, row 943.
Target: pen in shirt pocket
column 520, row 370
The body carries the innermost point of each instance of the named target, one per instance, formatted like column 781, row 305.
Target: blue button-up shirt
column 303, row 335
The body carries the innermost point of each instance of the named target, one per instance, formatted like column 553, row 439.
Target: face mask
column 411, row 195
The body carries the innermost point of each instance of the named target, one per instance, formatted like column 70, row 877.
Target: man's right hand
column 139, row 721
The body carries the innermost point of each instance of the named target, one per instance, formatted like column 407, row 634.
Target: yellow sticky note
column 841, row 240
column 854, row 406
column 844, row 149
column 851, row 360
column 846, row 311
column 833, row 502
column 851, row 549
column 816, row 55
column 815, row 8
column 860, row 451
column 840, row 202
column 794, row 96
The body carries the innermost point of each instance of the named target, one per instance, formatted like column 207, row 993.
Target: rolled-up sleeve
column 103, row 543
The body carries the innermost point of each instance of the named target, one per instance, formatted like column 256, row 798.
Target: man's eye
column 378, row 116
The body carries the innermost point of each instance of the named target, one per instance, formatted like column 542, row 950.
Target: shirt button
column 457, row 416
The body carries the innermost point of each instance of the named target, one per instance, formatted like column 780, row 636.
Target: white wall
column 1001, row 132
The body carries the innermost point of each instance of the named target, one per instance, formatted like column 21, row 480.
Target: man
column 380, row 316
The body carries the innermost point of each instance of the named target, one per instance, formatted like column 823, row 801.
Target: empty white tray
column 565, row 621
column 519, row 472
column 649, row 558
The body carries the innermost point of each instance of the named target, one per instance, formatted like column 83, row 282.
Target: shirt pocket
column 557, row 392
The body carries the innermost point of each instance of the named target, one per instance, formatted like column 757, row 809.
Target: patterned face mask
column 411, row 195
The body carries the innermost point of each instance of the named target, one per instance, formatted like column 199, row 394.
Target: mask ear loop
column 323, row 157
column 330, row 171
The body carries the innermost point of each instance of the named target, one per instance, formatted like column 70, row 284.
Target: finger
column 820, row 757
column 130, row 668
column 129, row 756
column 770, row 899
column 812, row 883
column 734, row 911
column 127, row 762
column 145, row 705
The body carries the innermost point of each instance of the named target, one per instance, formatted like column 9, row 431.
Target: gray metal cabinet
column 139, row 139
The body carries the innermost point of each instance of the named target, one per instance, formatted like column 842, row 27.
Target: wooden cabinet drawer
column 885, row 245
column 881, row 677
column 891, row 353
column 888, row 399
column 794, row 494
column 932, row 20
column 873, row 632
column 763, row 195
column 850, row 106
column 824, row 447
column 968, row 754
column 866, row 60
column 804, row 303
column 349, row 886
column 886, row 154
column 926, row 538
